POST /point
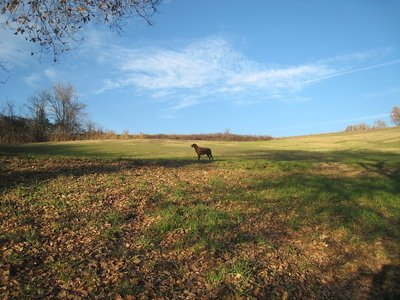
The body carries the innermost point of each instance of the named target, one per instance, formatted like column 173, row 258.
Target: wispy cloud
column 338, row 72
column 32, row 79
column 50, row 73
column 212, row 68
column 36, row 78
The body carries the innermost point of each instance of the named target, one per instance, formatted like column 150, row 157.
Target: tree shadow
column 319, row 156
column 337, row 202
column 348, row 202
column 302, row 200
column 386, row 283
column 65, row 166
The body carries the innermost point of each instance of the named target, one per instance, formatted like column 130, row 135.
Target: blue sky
column 279, row 68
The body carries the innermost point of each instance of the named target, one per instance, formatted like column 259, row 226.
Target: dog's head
column 194, row 145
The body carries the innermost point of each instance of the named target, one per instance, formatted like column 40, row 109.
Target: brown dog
column 201, row 151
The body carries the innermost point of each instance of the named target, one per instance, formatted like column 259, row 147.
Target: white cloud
column 35, row 78
column 211, row 68
column 292, row 78
column 32, row 79
column 50, row 73
column 201, row 64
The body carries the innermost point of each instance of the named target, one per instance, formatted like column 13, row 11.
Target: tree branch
column 5, row 70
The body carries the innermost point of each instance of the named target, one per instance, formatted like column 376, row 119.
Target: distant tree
column 38, row 112
column 357, row 127
column 395, row 115
column 363, row 126
column 66, row 111
column 54, row 24
column 51, row 114
column 379, row 124
column 13, row 128
column 91, row 129
column 125, row 134
column 8, row 109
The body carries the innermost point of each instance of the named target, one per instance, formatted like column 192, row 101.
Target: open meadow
column 313, row 217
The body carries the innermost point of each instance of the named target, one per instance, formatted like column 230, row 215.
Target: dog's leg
column 210, row 155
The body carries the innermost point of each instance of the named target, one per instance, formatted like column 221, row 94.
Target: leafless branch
column 55, row 24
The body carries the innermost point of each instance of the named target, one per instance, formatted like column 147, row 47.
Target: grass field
column 304, row 217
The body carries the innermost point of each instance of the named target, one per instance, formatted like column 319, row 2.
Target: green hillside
column 382, row 140
column 308, row 217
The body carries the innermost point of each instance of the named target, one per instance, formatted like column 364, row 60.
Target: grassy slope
column 314, row 217
column 384, row 140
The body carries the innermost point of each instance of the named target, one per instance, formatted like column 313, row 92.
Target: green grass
column 329, row 146
column 197, row 225
column 301, row 217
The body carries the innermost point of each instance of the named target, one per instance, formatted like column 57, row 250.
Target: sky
column 276, row 67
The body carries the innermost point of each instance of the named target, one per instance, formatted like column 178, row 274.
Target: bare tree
column 66, row 111
column 357, row 127
column 379, row 124
column 9, row 109
column 395, row 115
column 54, row 24
column 37, row 107
column 92, row 130
column 13, row 128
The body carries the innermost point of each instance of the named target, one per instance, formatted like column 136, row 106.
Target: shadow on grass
column 386, row 283
column 358, row 204
column 72, row 166
column 318, row 156
column 365, row 205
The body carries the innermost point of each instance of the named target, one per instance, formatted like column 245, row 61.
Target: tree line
column 56, row 114
column 50, row 115
column 219, row 136
column 394, row 117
